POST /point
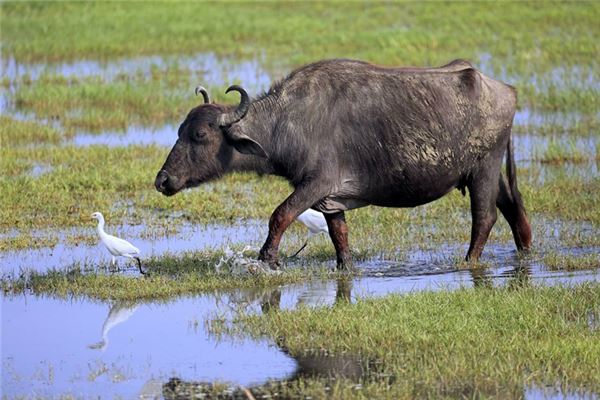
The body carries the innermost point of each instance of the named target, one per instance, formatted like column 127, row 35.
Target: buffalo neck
column 249, row 163
column 258, row 124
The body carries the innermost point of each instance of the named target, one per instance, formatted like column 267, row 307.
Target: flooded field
column 86, row 123
column 187, row 238
column 126, row 350
column 132, row 349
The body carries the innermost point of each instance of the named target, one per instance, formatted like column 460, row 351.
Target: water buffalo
column 347, row 134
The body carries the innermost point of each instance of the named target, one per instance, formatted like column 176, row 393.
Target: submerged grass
column 16, row 133
column 530, row 52
column 559, row 152
column 468, row 343
column 119, row 183
column 168, row 276
column 561, row 262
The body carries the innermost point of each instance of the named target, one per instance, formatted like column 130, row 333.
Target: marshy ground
column 87, row 122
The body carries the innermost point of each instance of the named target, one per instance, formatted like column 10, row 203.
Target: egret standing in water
column 315, row 222
column 115, row 245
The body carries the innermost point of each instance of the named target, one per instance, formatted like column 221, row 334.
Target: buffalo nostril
column 160, row 181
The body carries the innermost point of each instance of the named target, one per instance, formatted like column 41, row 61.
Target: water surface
column 131, row 349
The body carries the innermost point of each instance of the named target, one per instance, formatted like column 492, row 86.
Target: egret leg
column 113, row 264
column 139, row 265
column 299, row 250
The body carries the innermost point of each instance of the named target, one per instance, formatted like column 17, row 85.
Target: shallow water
column 559, row 77
column 134, row 135
column 532, row 147
column 38, row 170
column 126, row 350
column 132, row 349
column 214, row 69
column 534, row 392
column 145, row 345
column 188, row 238
column 527, row 148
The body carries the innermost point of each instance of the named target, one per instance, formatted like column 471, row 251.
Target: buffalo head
column 206, row 144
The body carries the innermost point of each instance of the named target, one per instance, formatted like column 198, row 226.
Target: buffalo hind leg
column 483, row 192
column 512, row 209
column 282, row 217
column 338, row 231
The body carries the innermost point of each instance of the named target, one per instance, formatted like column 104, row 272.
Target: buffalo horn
column 200, row 89
column 241, row 110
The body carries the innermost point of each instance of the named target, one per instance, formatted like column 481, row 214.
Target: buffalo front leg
column 282, row 217
column 338, row 231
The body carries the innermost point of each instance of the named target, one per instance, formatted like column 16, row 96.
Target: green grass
column 21, row 133
column 525, row 41
column 95, row 104
column 119, row 183
column 562, row 262
column 558, row 152
column 520, row 35
column 168, row 277
column 582, row 203
column 469, row 343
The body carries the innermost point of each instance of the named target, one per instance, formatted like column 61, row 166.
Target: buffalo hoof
column 269, row 258
column 346, row 266
column 345, row 263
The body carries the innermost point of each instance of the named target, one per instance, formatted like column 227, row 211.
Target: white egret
column 115, row 245
column 315, row 222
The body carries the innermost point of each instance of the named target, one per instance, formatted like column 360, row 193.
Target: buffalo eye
column 198, row 135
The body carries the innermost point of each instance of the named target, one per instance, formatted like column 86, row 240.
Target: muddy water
column 532, row 147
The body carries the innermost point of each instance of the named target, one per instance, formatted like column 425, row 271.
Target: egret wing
column 120, row 246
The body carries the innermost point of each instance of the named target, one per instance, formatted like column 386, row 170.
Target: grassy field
column 522, row 43
column 167, row 277
column 469, row 344
column 54, row 185
column 96, row 67
column 531, row 36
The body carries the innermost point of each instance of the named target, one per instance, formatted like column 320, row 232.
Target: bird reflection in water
column 118, row 313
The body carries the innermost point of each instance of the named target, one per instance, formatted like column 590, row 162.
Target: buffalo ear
column 245, row 145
